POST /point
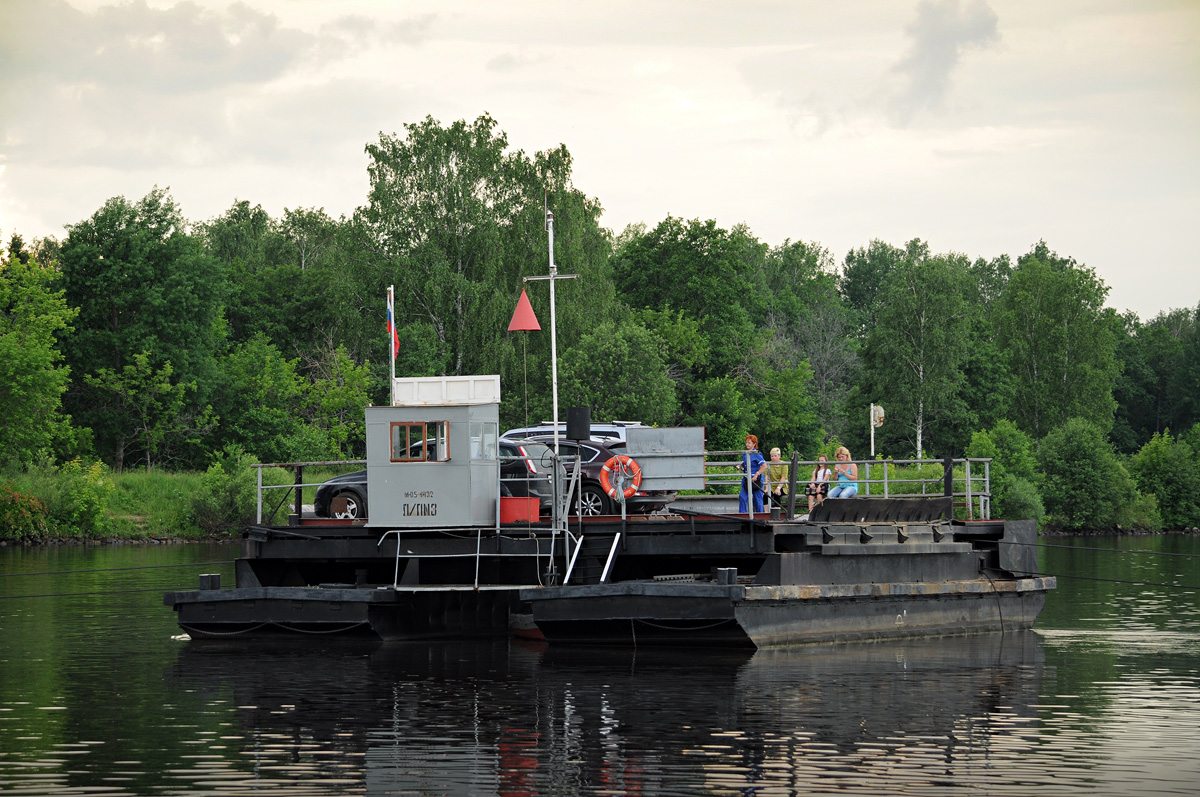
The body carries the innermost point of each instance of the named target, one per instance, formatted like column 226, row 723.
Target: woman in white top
column 819, row 485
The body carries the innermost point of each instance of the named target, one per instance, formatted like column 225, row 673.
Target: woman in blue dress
column 754, row 465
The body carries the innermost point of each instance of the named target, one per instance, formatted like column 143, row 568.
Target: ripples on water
column 100, row 695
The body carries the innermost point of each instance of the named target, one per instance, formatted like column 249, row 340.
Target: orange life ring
column 628, row 468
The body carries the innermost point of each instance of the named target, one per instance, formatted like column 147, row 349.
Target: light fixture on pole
column 877, row 417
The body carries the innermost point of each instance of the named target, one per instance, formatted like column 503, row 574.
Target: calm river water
column 99, row 693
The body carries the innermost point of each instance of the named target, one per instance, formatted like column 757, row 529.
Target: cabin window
column 426, row 441
column 483, row 440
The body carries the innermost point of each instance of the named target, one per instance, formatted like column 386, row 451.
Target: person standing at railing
column 777, row 478
column 846, row 473
column 754, row 466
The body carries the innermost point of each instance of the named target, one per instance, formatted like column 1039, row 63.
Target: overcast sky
column 980, row 126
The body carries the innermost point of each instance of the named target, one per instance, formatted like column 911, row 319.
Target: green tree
column 864, row 273
column 810, row 323
column 789, row 415
column 725, row 412
column 33, row 314
column 1013, row 473
column 1168, row 468
column 1085, row 486
column 1156, row 388
column 706, row 273
column 1059, row 343
column 145, row 402
column 620, row 371
column 337, row 396
column 987, row 382
column 455, row 220
column 142, row 284
column 297, row 281
column 310, row 233
column 259, row 400
column 1185, row 384
column 915, row 351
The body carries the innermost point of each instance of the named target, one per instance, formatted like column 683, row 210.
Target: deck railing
column 723, row 470
column 295, row 489
column 883, row 478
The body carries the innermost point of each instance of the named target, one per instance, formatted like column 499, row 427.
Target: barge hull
column 764, row 617
column 415, row 613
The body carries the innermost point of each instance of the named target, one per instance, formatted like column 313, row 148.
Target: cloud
column 942, row 31
column 131, row 86
column 512, row 62
column 179, row 49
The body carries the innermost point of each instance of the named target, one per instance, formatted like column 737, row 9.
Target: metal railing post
column 987, row 486
column 299, row 492
column 791, row 508
column 970, row 500
column 612, row 551
column 478, row 546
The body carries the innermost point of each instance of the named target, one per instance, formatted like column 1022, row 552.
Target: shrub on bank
column 22, row 516
column 75, row 496
column 1015, row 495
column 227, row 497
column 1086, row 487
column 1167, row 468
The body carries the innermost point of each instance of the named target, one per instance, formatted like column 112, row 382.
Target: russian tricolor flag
column 391, row 322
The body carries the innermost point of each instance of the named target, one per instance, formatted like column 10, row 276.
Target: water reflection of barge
column 526, row 718
column 861, row 568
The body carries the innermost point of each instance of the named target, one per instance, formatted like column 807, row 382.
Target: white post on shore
column 876, row 419
column 871, row 423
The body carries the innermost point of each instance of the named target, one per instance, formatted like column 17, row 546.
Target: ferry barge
column 443, row 555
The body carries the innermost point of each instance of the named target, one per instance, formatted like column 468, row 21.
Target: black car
column 521, row 475
column 592, row 498
column 352, row 487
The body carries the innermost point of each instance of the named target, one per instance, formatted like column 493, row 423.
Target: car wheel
column 356, row 507
column 593, row 501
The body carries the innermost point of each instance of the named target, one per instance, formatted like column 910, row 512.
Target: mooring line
column 115, row 569
column 97, row 592
column 1025, row 573
column 1101, row 550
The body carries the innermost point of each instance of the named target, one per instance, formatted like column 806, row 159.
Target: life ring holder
column 629, row 470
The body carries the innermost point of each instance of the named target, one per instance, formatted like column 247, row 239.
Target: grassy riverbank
column 77, row 501
column 46, row 503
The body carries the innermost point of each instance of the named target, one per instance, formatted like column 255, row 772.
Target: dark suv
column 593, row 454
column 521, row 475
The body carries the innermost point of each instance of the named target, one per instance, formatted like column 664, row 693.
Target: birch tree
column 918, row 344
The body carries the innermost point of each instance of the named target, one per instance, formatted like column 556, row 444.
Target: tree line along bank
column 144, row 341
